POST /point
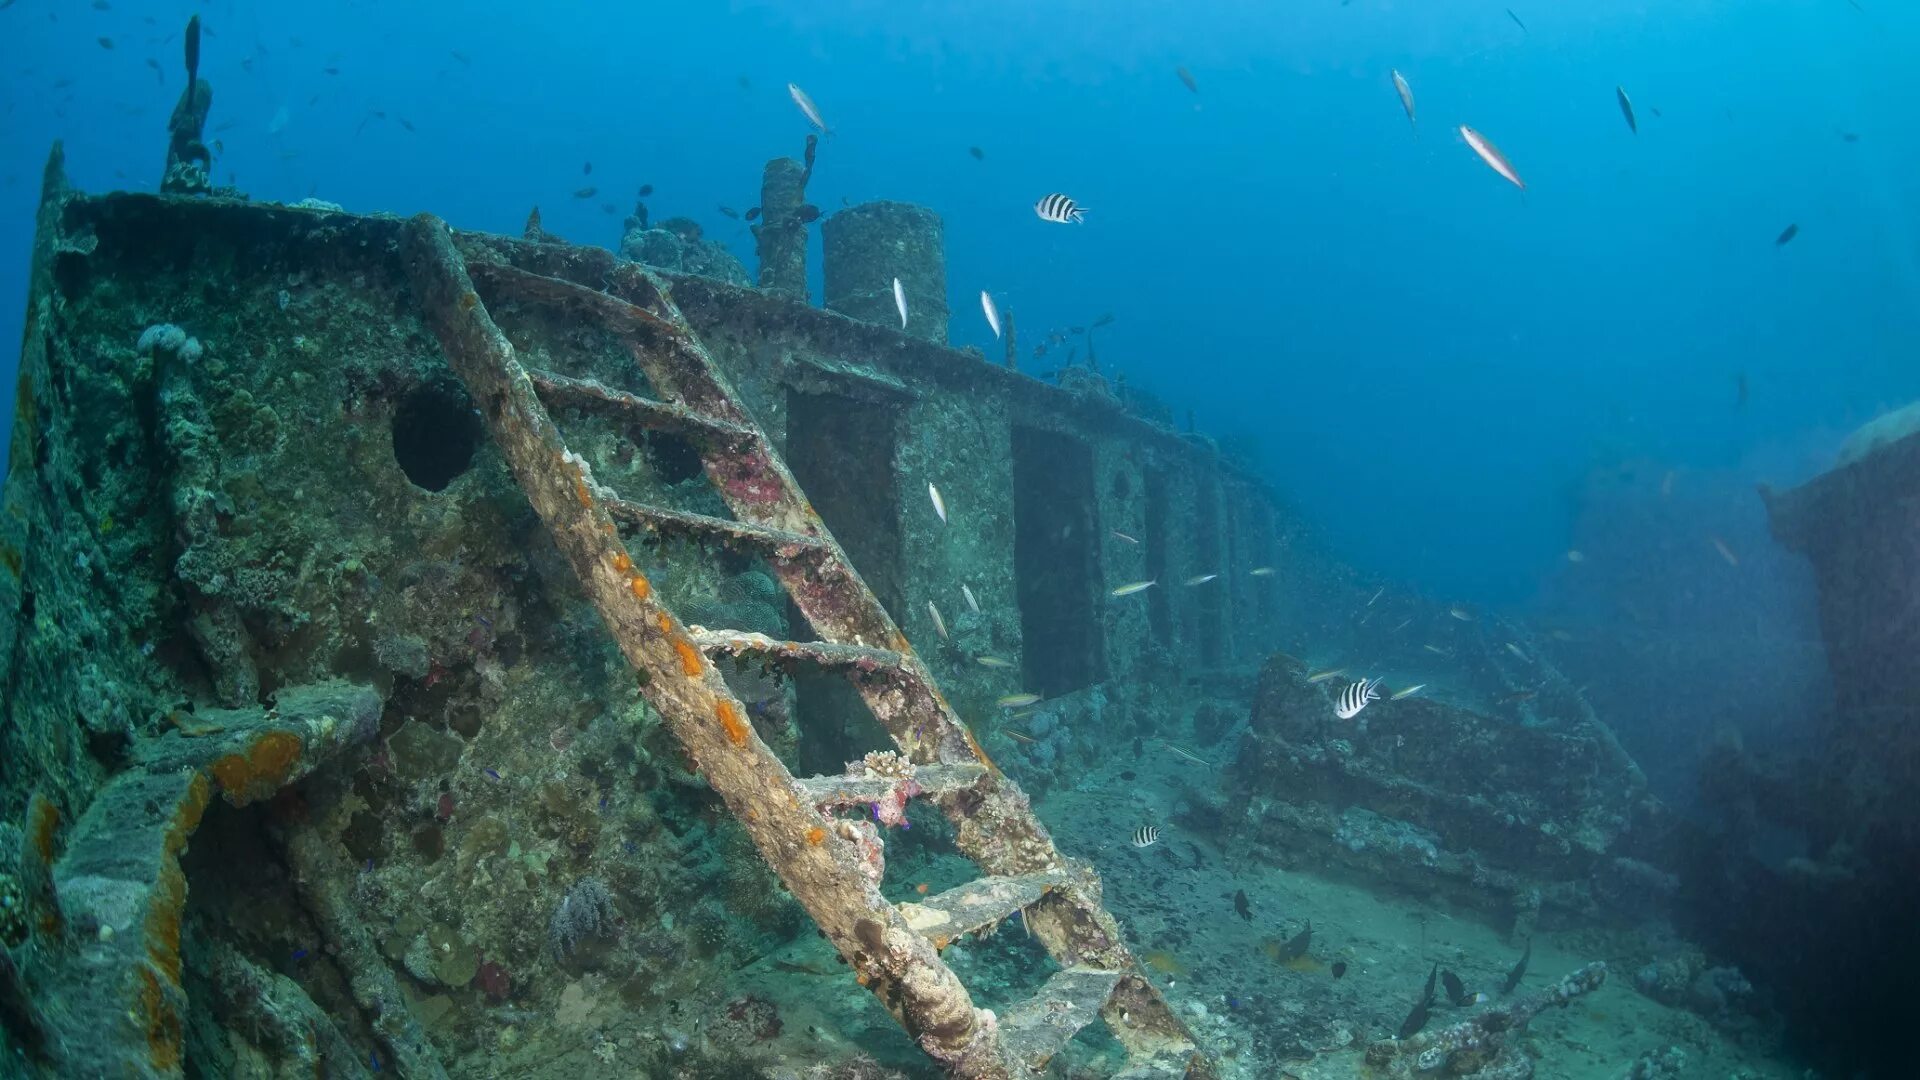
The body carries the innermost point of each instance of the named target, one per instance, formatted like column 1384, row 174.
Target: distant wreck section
column 1822, row 847
column 314, row 758
column 1548, row 820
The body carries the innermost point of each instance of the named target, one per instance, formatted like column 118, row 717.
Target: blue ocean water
column 1431, row 361
column 1455, row 382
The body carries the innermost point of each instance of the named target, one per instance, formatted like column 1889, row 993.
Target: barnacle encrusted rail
column 1482, row 1044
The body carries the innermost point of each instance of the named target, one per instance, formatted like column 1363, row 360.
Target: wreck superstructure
column 290, row 669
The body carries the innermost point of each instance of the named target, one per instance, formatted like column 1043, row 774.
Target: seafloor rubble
column 314, row 760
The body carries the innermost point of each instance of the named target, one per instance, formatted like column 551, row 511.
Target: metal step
column 1037, row 1028
column 775, row 543
column 979, row 904
column 588, row 396
column 934, row 781
column 828, row 655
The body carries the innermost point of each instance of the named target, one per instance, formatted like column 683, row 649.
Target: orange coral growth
column 862, row 979
column 260, row 771
column 162, row 1023
column 665, row 620
column 921, row 888
column 737, row 730
column 940, row 942
column 43, row 821
column 689, row 656
column 816, row 835
column 640, row 586
column 622, row 562
column 580, row 491
column 163, row 920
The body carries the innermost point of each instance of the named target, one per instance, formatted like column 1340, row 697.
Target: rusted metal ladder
column 831, row 862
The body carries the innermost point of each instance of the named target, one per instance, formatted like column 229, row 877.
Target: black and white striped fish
column 1059, row 208
column 1355, row 697
column 1146, row 836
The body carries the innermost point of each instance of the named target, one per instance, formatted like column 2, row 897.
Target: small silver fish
column 939, row 504
column 1408, row 692
column 1355, row 697
column 1058, row 208
column 1146, row 836
column 1460, row 613
column 972, row 604
column 1515, row 650
column 1435, row 650
column 993, row 313
column 1201, row 579
column 1323, row 676
column 1118, row 535
column 1132, row 587
column 1491, row 154
column 939, row 623
column 1401, row 87
column 900, row 301
column 1725, row 551
column 807, row 106
column 1376, row 595
column 992, row 662
column 1015, row 701
column 1188, row 754
column 1261, row 571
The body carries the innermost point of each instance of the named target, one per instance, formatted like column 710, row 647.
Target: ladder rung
column 776, row 542
column 979, row 904
column 825, row 654
column 1037, row 1028
column 934, row 781
column 590, row 396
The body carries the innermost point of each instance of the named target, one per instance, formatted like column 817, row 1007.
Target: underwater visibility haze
column 855, row 539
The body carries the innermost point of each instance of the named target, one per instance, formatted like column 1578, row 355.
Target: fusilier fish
column 1132, row 587
column 1491, row 154
column 992, row 662
column 1408, row 692
column 993, row 313
column 1626, row 108
column 900, row 301
column 972, row 604
column 1201, row 579
column 939, row 623
column 807, row 106
column 1015, row 701
column 1323, row 676
column 939, row 504
column 1118, row 535
column 1261, row 571
column 1401, row 87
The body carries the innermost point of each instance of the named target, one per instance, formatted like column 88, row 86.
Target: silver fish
column 1015, row 701
column 1118, row 535
column 1355, row 697
column 900, row 301
column 1261, row 571
column 1201, row 579
column 1146, row 836
column 1188, row 754
column 807, row 106
column 1132, row 587
column 939, row 504
column 1491, row 154
column 993, row 313
column 1515, row 650
column 1408, row 692
column 939, row 623
column 992, row 662
column 972, row 604
column 1401, row 87
column 1060, row 209
column 1323, row 676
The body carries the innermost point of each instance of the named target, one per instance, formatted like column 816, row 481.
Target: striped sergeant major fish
column 1355, row 697
column 1146, row 836
column 1058, row 208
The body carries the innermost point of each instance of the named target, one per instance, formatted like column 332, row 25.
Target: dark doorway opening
column 1210, row 601
column 841, row 450
column 1056, row 567
column 1159, row 608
